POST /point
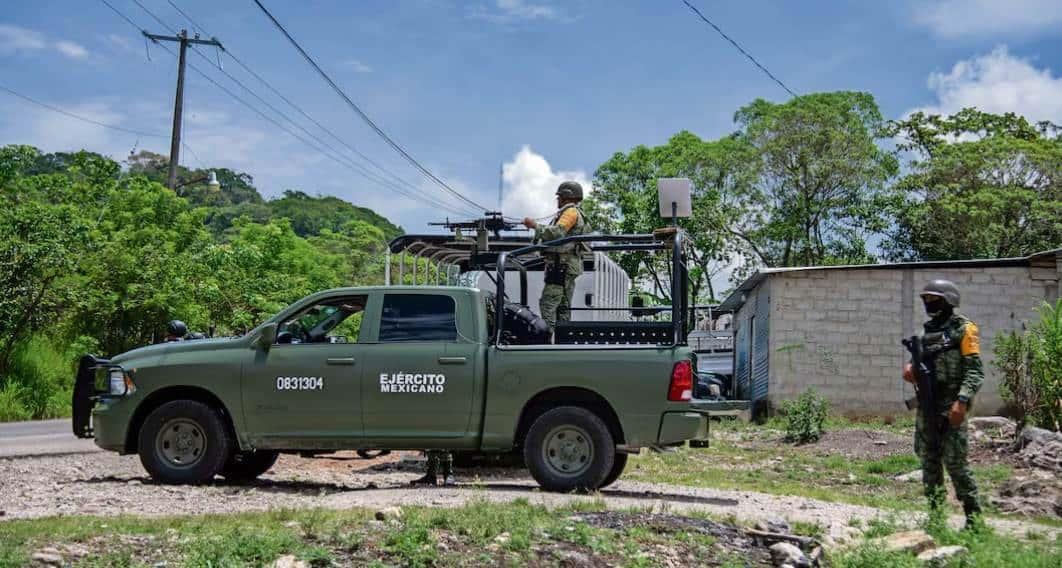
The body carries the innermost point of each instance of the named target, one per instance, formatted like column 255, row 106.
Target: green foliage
column 980, row 186
column 801, row 182
column 625, row 201
column 805, row 417
column 1031, row 366
column 87, row 251
column 822, row 180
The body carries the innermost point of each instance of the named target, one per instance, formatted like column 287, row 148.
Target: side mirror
column 267, row 336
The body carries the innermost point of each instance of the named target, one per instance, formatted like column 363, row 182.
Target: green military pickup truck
column 399, row 367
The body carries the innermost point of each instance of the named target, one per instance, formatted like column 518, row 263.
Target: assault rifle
column 924, row 350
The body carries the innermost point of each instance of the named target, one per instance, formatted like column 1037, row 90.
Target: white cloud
column 508, row 11
column 14, row 39
column 71, row 49
column 998, row 82
column 977, row 18
column 358, row 66
column 530, row 185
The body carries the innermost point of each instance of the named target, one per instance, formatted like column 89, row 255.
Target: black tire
column 569, row 448
column 618, row 466
column 372, row 454
column 243, row 467
column 184, row 442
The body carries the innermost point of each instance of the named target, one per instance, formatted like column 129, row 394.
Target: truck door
column 307, row 386
column 420, row 373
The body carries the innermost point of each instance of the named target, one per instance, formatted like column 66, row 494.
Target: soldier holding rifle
column 947, row 372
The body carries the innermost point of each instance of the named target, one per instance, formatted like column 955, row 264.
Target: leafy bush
column 1031, row 365
column 40, row 379
column 805, row 417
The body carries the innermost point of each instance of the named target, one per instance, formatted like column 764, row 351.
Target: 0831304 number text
column 300, row 383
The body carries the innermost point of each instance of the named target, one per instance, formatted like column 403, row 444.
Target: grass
column 985, row 548
column 479, row 533
column 731, row 463
column 39, row 380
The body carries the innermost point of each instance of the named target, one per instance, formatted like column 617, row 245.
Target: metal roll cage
column 679, row 276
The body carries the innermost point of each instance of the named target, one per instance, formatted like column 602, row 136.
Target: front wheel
column 569, row 448
column 243, row 467
column 183, row 442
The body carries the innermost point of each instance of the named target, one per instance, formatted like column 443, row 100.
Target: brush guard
column 86, row 393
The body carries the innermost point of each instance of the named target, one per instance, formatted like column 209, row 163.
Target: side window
column 333, row 321
column 418, row 317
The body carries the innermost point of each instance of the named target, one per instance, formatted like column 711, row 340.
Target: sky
column 529, row 91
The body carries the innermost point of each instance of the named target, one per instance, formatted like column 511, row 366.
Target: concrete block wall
column 839, row 331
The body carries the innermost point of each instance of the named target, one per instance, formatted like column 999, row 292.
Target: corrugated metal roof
column 736, row 298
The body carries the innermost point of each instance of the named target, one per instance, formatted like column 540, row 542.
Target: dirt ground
column 107, row 484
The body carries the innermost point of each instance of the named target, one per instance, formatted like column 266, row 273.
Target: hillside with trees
column 94, row 258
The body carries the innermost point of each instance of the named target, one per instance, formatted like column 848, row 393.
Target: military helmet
column 945, row 289
column 176, row 328
column 570, row 190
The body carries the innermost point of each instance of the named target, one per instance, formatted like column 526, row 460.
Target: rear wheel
column 247, row 466
column 569, row 448
column 183, row 441
column 617, row 470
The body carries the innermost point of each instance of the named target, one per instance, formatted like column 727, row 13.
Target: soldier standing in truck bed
column 563, row 263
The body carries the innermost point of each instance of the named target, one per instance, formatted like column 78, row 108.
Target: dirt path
column 107, row 484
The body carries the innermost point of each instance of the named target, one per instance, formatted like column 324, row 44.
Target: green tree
column 310, row 215
column 980, row 186
column 625, row 200
column 822, row 179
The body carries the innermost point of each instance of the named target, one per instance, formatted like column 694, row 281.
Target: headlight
column 120, row 383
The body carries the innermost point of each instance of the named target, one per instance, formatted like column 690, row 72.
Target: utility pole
column 178, row 103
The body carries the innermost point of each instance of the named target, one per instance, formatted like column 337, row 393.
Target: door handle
column 340, row 361
column 453, row 360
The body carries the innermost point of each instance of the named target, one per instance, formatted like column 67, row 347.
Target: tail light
column 681, row 388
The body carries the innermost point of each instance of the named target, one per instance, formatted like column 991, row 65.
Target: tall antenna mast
column 501, row 182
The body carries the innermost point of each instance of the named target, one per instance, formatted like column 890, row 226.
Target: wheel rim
column 181, row 442
column 568, row 450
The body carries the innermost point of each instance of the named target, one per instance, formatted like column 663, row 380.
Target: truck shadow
column 317, row 488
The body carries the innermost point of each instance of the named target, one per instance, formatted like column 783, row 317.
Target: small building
column 837, row 329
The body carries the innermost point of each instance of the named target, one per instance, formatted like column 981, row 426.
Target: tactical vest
column 949, row 363
column 570, row 254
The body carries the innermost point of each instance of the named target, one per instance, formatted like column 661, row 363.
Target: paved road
column 41, row 438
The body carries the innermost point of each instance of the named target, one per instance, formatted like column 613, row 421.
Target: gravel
column 108, row 484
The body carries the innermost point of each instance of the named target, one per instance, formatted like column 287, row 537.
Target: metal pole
column 387, row 268
column 178, row 107
column 178, row 102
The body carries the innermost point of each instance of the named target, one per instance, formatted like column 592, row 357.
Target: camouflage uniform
column 439, row 462
column 959, row 374
column 555, row 303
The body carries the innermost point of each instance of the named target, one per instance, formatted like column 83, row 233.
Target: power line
column 358, row 168
column 365, row 117
column 81, row 118
column 350, row 165
column 738, row 47
column 69, row 114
